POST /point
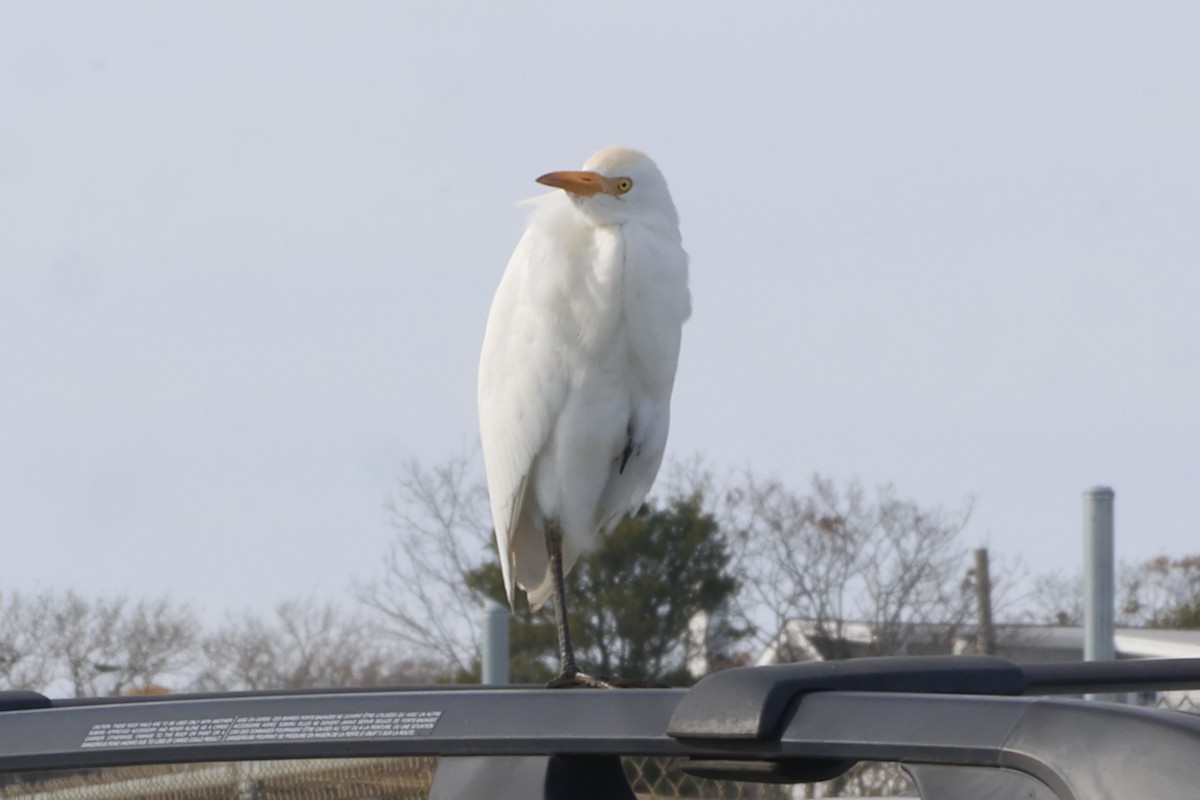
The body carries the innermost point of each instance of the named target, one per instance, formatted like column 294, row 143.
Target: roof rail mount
column 750, row 702
column 15, row 700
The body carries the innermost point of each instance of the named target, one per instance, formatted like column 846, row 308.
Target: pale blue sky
column 247, row 250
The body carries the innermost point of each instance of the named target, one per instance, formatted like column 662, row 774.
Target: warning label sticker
column 365, row 725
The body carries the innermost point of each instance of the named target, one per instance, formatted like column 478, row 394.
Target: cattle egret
column 577, row 369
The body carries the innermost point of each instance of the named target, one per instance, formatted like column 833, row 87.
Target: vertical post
column 985, row 638
column 1098, row 590
column 494, row 654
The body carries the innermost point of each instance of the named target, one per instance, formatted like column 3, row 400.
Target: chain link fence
column 1177, row 701
column 399, row 778
column 654, row 778
column 308, row 779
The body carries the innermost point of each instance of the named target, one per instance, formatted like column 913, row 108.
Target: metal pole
column 1098, row 590
column 494, row 655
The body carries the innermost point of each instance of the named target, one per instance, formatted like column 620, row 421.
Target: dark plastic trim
column 1129, row 675
column 749, row 702
column 1078, row 749
column 531, row 778
column 16, row 700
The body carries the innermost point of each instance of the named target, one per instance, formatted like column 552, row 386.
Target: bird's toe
column 574, row 679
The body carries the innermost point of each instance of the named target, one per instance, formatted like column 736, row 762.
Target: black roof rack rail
column 1128, row 675
column 970, row 715
column 17, row 700
column 748, row 702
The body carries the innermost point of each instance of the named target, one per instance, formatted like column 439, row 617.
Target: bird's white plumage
column 578, row 365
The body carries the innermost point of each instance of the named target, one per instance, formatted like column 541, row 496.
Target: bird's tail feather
column 538, row 595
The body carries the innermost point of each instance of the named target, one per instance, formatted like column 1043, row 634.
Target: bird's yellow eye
column 624, row 185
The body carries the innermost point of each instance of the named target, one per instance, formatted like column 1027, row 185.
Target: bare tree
column 157, row 637
column 443, row 532
column 25, row 662
column 1055, row 599
column 835, row 556
column 1161, row 592
column 305, row 644
column 913, row 571
column 109, row 645
column 66, row 642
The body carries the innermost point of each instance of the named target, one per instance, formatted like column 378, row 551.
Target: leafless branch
column 443, row 531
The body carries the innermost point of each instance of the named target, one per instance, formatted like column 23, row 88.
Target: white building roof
column 1055, row 641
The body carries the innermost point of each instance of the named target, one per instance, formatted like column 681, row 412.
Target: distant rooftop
column 800, row 640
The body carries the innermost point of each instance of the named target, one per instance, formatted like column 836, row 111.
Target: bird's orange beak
column 581, row 183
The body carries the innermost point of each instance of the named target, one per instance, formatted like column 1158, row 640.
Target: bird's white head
column 618, row 185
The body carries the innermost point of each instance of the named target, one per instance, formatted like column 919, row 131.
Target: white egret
column 577, row 369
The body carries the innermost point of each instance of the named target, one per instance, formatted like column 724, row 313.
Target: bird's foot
column 574, row 679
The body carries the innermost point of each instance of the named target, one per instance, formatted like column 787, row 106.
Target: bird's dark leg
column 569, row 674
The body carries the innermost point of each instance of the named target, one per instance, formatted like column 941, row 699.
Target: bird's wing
column 522, row 383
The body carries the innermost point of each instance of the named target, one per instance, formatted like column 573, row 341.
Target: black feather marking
column 628, row 451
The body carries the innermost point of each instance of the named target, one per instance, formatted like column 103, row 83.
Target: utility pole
column 985, row 641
